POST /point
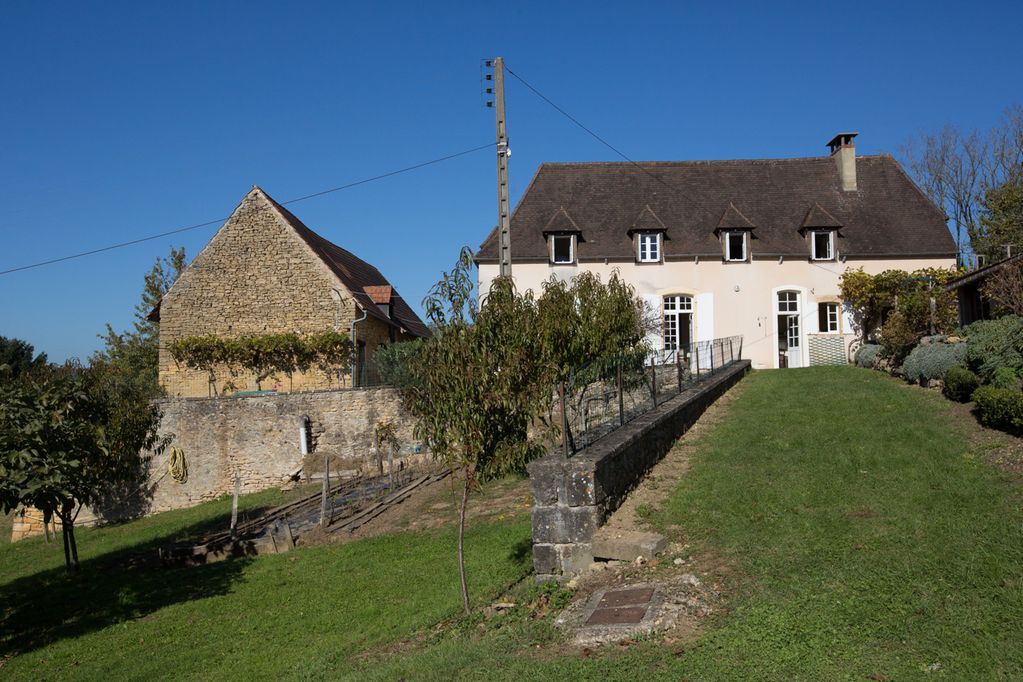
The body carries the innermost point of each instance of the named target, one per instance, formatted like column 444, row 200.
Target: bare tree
column 1005, row 288
column 957, row 168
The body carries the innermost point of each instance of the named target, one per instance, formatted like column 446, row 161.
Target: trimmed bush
column 1000, row 408
column 994, row 343
column 1005, row 377
column 960, row 383
column 931, row 361
column 395, row 362
column 866, row 355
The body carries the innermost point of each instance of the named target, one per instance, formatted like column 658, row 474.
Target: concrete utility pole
column 503, row 212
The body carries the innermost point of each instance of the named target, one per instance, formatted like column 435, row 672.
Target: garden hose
column 177, row 467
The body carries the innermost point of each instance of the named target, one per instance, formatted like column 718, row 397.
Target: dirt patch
column 437, row 505
column 692, row 586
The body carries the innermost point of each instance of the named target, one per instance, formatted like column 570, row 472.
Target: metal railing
column 606, row 394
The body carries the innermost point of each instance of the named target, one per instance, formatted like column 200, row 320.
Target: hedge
column 960, row 383
column 1000, row 408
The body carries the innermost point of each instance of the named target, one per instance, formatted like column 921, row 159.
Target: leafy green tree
column 1001, row 220
column 135, row 353
column 474, row 386
column 67, row 436
column 480, row 387
column 17, row 358
column 922, row 304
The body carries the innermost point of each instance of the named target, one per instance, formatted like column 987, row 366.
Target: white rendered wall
column 730, row 298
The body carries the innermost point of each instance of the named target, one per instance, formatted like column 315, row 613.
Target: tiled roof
column 886, row 216
column 363, row 280
column 733, row 218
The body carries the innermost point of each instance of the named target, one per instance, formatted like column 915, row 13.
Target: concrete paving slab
column 626, row 545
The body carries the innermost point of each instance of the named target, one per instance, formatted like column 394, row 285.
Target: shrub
column 999, row 408
column 960, row 383
column 994, row 343
column 866, row 355
column 1005, row 377
column 931, row 361
column 395, row 362
column 897, row 338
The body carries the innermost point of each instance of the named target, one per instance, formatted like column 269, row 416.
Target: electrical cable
column 221, row 220
column 604, row 142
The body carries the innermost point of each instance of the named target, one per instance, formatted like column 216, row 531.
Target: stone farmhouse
column 724, row 248
column 264, row 272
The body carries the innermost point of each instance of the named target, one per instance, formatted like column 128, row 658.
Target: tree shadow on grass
column 121, row 585
column 522, row 550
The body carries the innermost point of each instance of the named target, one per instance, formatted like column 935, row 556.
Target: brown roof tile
column 887, row 215
column 358, row 276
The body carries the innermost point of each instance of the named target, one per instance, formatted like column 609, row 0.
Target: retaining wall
column 574, row 496
column 258, row 437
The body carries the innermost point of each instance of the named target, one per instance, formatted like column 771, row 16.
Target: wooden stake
column 234, row 503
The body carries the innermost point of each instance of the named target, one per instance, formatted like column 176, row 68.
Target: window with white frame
column 649, row 245
column 823, row 245
column 788, row 302
column 562, row 249
column 827, row 314
column 678, row 322
column 735, row 246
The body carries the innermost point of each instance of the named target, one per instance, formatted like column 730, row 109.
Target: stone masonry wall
column 258, row 436
column 572, row 497
column 256, row 276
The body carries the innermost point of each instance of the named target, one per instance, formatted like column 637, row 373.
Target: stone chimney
column 843, row 150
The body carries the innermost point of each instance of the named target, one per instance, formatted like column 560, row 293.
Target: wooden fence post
column 564, row 421
column 653, row 379
column 621, row 398
column 678, row 367
column 234, row 504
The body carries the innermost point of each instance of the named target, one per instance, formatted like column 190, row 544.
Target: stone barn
column 265, row 272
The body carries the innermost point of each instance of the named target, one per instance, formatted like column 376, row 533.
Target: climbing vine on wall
column 264, row 355
column 915, row 303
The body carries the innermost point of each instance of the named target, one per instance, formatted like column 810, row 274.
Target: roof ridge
column 697, row 162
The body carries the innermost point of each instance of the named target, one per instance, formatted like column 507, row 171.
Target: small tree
column 924, row 305
column 135, row 353
column 1005, row 288
column 477, row 384
column 65, row 438
column 17, row 357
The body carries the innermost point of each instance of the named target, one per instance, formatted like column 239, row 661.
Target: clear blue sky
column 121, row 120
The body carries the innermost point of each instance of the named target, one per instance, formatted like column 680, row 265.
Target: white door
column 795, row 351
column 790, row 347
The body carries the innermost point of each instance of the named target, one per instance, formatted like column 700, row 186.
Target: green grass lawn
column 863, row 539
column 865, row 536
column 296, row 615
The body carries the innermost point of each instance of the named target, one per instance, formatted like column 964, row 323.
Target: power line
column 221, row 220
column 604, row 142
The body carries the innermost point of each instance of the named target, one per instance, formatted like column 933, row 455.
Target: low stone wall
column 573, row 497
column 258, row 437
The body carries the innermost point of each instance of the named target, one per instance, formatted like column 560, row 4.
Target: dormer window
column 649, row 247
column 823, row 245
column 736, row 245
column 562, row 249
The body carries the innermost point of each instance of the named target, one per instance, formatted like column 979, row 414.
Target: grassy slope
column 295, row 615
column 871, row 540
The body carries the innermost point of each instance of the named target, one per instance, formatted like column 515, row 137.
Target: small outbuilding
column 265, row 272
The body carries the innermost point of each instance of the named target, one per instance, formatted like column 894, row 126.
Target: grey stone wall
column 258, row 437
column 572, row 497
